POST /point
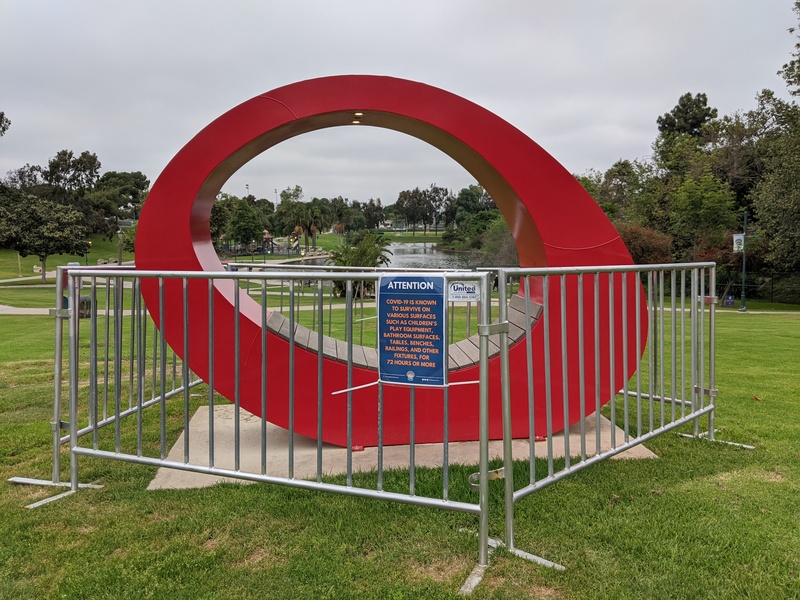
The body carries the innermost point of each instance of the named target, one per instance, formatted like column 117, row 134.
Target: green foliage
column 647, row 246
column 244, row 226
column 363, row 249
column 786, row 290
column 498, row 248
column 702, row 208
column 791, row 70
column 776, row 197
column 5, row 123
column 688, row 116
column 39, row 227
column 120, row 193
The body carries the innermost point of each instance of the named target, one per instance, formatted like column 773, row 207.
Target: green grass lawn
column 704, row 520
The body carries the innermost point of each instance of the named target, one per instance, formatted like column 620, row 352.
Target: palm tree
column 366, row 249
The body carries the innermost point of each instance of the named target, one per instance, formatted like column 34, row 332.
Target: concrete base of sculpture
column 334, row 458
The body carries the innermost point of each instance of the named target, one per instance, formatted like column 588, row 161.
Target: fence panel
column 151, row 339
column 633, row 345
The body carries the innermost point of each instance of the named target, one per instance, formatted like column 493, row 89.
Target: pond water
column 425, row 255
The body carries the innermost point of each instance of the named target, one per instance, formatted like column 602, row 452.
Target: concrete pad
column 334, row 458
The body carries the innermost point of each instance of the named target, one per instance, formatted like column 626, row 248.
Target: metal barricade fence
column 593, row 353
column 128, row 403
column 630, row 344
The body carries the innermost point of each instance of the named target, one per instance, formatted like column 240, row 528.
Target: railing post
column 57, row 374
column 483, row 493
column 74, row 298
column 712, row 286
column 505, row 383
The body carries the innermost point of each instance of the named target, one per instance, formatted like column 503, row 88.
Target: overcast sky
column 135, row 81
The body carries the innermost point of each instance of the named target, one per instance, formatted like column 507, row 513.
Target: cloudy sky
column 586, row 79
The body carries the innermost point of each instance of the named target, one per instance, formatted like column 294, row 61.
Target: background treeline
column 682, row 203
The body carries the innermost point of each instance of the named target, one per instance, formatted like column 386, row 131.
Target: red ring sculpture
column 553, row 220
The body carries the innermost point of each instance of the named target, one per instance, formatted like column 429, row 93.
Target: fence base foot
column 473, row 580
column 476, row 576
column 705, row 436
column 47, row 482
column 533, row 558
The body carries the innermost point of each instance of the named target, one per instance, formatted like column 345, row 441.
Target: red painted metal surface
column 553, row 220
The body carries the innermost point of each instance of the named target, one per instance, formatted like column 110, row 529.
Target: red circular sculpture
column 552, row 218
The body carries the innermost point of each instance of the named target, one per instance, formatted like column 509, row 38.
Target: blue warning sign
column 411, row 329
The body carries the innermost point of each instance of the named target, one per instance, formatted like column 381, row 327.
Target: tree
column 40, row 227
column 220, row 216
column 498, row 248
column 439, row 200
column 646, row 246
column 776, row 200
column 374, row 214
column 702, row 210
column 244, row 226
column 364, row 249
column 73, row 173
column 776, row 197
column 124, row 191
column 4, row 123
column 791, row 70
column 339, row 213
column 688, row 116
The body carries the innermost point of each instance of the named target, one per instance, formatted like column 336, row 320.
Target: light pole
column 743, row 305
column 120, row 235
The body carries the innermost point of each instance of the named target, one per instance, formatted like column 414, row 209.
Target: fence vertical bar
column 106, row 362
column 529, row 373
column 141, row 363
column 651, row 347
column 483, row 531
column 237, row 383
column 660, row 355
column 596, row 315
column 349, row 336
column 264, row 360
column 118, row 316
column 694, row 334
column 626, row 399
column 581, row 368
column 683, row 343
column 211, row 372
column 673, row 337
column 505, row 387
column 445, row 413
column 292, row 382
column 548, row 384
column 638, row 311
column 380, row 436
column 611, row 366
column 162, row 367
column 712, row 287
column 412, row 447
column 320, row 387
column 564, row 365
column 185, row 369
column 93, row 395
column 74, row 320
column 701, row 353
column 58, row 366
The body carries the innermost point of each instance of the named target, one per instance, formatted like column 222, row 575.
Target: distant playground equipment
column 554, row 221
